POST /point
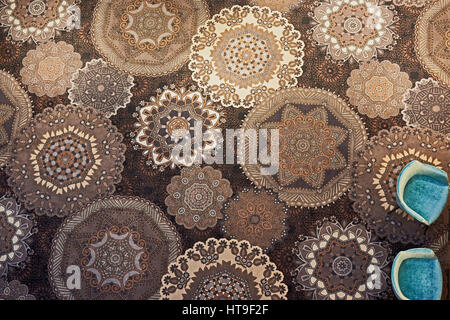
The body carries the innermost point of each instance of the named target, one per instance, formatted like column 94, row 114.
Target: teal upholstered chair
column 422, row 191
column 416, row 275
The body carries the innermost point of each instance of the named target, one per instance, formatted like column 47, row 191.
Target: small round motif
column 194, row 200
column 427, row 105
column 101, row 87
column 377, row 88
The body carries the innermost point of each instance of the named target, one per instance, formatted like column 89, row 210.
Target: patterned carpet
column 89, row 115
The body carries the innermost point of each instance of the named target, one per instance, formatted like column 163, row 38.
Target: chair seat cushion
column 420, row 279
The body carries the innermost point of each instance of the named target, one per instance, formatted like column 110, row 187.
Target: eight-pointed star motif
column 308, row 146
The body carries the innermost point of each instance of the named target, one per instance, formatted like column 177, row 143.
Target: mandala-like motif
column 319, row 136
column 427, row 105
column 413, row 3
column 220, row 269
column 35, row 19
column 167, row 119
column 123, row 246
column 432, row 40
column 355, row 29
column 196, row 197
column 64, row 159
column 341, row 263
column 15, row 113
column 376, row 170
column 256, row 216
column 47, row 70
column 99, row 86
column 147, row 37
column 15, row 231
column 14, row 290
column 377, row 88
column 283, row 6
column 114, row 259
column 244, row 54
column 149, row 25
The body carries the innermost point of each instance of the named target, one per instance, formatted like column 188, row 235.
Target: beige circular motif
column 244, row 54
column 319, row 136
column 48, row 69
column 15, row 113
column 377, row 88
column 147, row 37
column 353, row 29
column 432, row 40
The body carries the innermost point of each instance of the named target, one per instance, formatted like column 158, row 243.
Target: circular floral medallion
column 244, row 54
column 432, row 40
column 196, row 197
column 147, row 37
column 35, row 19
column 168, row 119
column 376, row 170
column 256, row 216
column 15, row 231
column 377, row 88
column 341, row 263
column 427, row 105
column 220, row 269
column 355, row 29
column 149, row 25
column 64, row 159
column 319, row 136
column 15, row 113
column 47, row 70
column 99, row 86
column 283, row 6
column 14, row 290
column 123, row 246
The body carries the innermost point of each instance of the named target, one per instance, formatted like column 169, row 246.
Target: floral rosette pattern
column 47, row 70
column 341, row 263
column 35, row 19
column 146, row 37
column 220, row 269
column 64, row 159
column 15, row 113
column 319, row 136
column 257, row 216
column 166, row 120
column 244, row 54
column 427, row 105
column 375, row 174
column 15, row 232
column 377, row 88
column 123, row 246
column 101, row 87
column 14, row 290
column 196, row 197
column 353, row 29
